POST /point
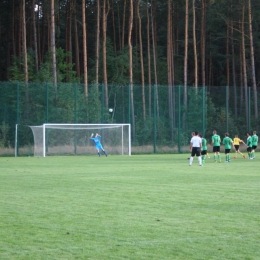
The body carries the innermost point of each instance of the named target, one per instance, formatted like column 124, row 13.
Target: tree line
column 135, row 42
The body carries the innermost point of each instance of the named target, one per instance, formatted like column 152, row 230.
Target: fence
column 161, row 117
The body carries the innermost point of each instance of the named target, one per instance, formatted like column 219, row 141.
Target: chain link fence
column 162, row 117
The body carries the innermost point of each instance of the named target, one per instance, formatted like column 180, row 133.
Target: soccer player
column 236, row 143
column 204, row 148
column 227, row 141
column 216, row 146
column 192, row 134
column 97, row 143
column 195, row 146
column 249, row 145
column 254, row 144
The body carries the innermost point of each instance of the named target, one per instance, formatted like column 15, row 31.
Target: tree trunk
column 25, row 60
column 97, row 42
column 185, row 98
column 77, row 61
column 149, row 60
column 123, row 26
column 131, row 65
column 252, row 55
column 141, row 60
column 104, row 48
column 195, row 46
column 244, row 64
column 170, row 67
column 24, row 44
column 53, row 48
column 35, row 37
column 203, row 41
column 13, row 29
column 154, row 61
column 114, row 29
column 85, row 64
column 234, row 69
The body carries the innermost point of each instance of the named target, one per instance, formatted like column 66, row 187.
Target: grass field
column 129, row 207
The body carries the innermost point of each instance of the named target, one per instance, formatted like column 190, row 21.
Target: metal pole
column 227, row 109
column 47, row 103
column 249, row 110
column 154, row 119
column 103, row 104
column 179, row 120
column 75, row 116
column 203, row 110
column 17, row 116
column 129, row 104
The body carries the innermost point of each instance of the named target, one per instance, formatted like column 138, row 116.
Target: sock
column 98, row 153
column 199, row 159
column 104, row 152
column 214, row 157
column 191, row 160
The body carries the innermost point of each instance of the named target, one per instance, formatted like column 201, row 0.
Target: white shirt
column 196, row 141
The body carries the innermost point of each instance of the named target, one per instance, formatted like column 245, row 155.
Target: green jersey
column 227, row 141
column 254, row 140
column 204, row 144
column 249, row 141
column 216, row 140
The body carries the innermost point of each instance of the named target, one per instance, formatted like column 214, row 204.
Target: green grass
column 129, row 207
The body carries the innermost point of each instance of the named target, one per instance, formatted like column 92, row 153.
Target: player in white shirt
column 195, row 148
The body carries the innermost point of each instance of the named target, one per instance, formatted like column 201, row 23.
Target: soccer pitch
column 129, row 207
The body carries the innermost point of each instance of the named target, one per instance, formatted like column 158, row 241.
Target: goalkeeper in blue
column 97, row 143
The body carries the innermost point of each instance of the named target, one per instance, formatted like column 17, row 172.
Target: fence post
column 129, row 104
column 75, row 116
column 47, row 103
column 154, row 119
column 227, row 109
column 17, row 117
column 249, row 110
column 203, row 110
column 179, row 119
column 103, row 101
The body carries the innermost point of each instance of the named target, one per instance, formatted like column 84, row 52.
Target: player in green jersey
column 216, row 146
column 254, row 144
column 204, row 148
column 249, row 145
column 228, row 142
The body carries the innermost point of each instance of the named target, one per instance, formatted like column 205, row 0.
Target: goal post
column 68, row 139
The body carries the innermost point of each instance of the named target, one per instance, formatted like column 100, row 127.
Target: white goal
column 68, row 139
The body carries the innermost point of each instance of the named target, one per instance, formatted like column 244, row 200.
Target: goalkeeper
column 97, row 143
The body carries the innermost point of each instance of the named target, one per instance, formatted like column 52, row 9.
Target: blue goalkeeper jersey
column 96, row 141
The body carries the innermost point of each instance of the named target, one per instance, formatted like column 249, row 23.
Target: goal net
column 68, row 139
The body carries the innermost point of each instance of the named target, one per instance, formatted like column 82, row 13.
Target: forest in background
column 212, row 43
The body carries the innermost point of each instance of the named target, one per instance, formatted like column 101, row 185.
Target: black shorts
column 254, row 147
column 216, row 149
column 249, row 149
column 236, row 147
column 227, row 151
column 204, row 152
column 195, row 151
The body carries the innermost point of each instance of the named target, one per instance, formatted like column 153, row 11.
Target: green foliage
column 4, row 130
column 65, row 72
